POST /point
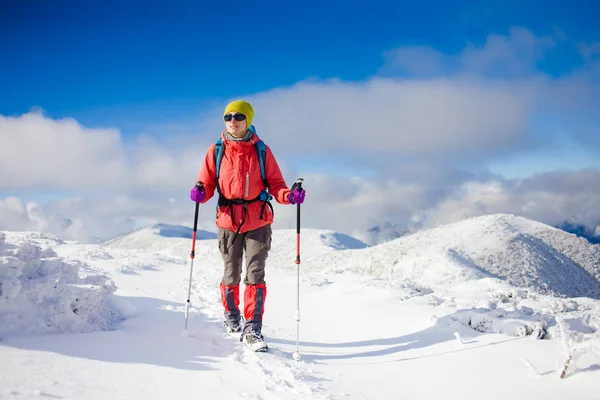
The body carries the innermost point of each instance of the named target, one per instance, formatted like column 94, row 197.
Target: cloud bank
column 408, row 148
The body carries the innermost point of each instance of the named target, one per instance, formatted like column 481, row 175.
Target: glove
column 296, row 196
column 198, row 193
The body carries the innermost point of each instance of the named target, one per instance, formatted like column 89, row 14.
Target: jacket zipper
column 247, row 184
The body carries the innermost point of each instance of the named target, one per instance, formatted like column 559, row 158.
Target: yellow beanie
column 243, row 107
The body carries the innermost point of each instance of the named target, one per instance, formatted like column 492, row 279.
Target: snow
column 490, row 306
column 40, row 293
column 143, row 239
column 519, row 251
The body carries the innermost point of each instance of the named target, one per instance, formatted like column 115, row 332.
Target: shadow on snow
column 154, row 336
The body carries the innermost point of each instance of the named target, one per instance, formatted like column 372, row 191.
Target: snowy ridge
column 317, row 241
column 521, row 252
column 145, row 238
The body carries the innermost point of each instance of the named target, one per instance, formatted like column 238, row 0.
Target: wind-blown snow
column 433, row 315
column 41, row 293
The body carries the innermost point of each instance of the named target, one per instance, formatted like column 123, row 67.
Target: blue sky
column 447, row 95
column 93, row 58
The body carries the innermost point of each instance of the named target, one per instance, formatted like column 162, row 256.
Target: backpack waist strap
column 264, row 196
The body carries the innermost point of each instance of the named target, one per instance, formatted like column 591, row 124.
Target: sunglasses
column 237, row 117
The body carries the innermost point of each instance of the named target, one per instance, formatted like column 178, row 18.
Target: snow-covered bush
column 484, row 320
column 40, row 293
column 496, row 308
column 576, row 344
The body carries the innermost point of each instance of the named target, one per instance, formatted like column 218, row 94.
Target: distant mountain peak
column 514, row 249
column 145, row 237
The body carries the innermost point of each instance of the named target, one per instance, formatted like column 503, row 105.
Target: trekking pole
column 192, row 256
column 296, row 354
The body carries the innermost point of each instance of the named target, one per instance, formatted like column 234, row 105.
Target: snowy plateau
column 491, row 307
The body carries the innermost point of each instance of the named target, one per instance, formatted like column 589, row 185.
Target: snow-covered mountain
column 478, row 295
column 519, row 251
column 146, row 238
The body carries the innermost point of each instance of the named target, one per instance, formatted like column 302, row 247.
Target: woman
column 243, row 219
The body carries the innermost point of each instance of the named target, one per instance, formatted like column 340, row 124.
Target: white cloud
column 443, row 116
column 349, row 205
column 500, row 56
column 385, row 118
column 89, row 219
column 40, row 154
column 414, row 61
column 37, row 151
column 551, row 198
column 17, row 215
column 422, row 142
column 515, row 54
column 356, row 204
column 571, row 100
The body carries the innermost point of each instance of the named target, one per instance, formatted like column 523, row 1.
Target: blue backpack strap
column 261, row 149
column 264, row 196
column 219, row 150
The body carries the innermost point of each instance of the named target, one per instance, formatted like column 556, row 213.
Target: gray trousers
column 256, row 244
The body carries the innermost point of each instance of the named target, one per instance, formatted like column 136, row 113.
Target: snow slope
column 144, row 239
column 433, row 315
column 521, row 252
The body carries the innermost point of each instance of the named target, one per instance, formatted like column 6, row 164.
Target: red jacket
column 240, row 178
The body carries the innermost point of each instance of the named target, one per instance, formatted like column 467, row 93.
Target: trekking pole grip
column 200, row 186
column 298, row 185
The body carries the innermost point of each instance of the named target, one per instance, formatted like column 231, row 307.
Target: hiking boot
column 255, row 341
column 232, row 325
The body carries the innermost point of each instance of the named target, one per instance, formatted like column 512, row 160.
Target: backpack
column 264, row 195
